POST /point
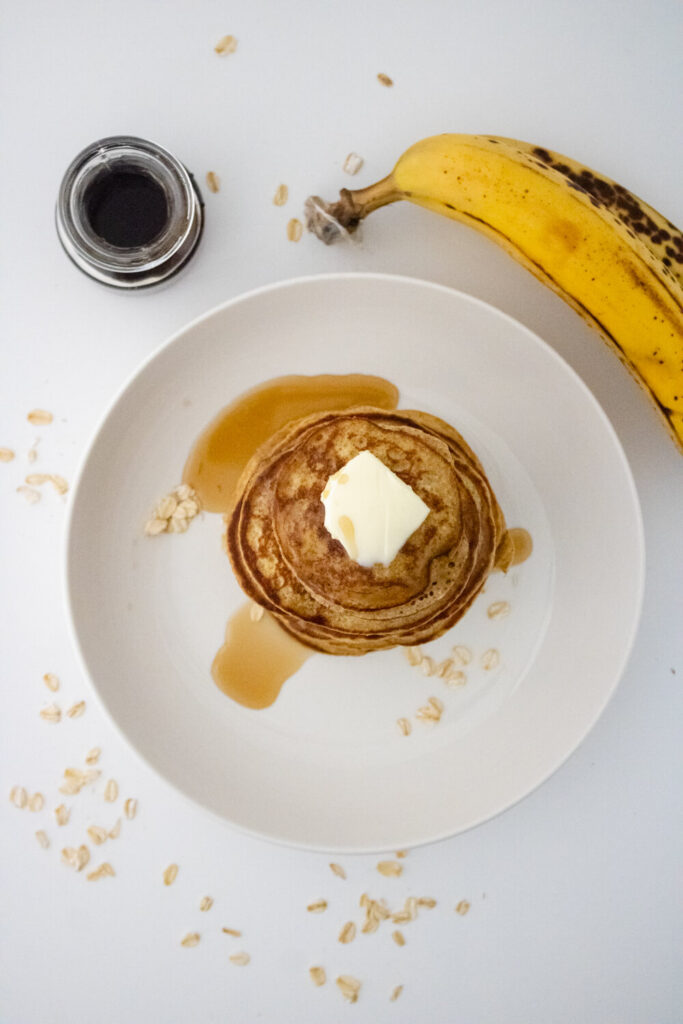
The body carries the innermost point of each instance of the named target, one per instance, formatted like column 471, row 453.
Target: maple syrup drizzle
column 224, row 448
column 515, row 547
column 257, row 657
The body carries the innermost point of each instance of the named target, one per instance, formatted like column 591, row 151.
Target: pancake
column 286, row 561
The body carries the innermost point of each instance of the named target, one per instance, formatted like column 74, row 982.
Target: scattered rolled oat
column 178, row 524
column 348, row 933
column 76, row 710
column 40, row 417
column 75, row 779
column 376, row 911
column 36, row 802
column 426, row 901
column 206, row 903
column 256, row 612
column 51, row 681
column 490, row 659
column 6, row 454
column 409, row 912
column 153, row 527
column 349, row 987
column 404, row 725
column 462, row 908
column 111, row 791
column 384, row 79
column 461, row 655
column 498, row 610
column 337, row 870
column 317, row 907
column 232, row 931
column 51, row 713
column 174, row 512
column 97, row 834
column 427, row 666
column 431, row 711
column 228, row 44
column 185, row 509
column 398, row 938
column 390, row 868
column 105, row 870
column 29, row 493
column 93, row 756
column 213, row 182
column 19, row 797
column 70, row 787
column 43, row 839
column 395, row 994
column 62, row 814
column 76, row 858
column 57, row 481
column 191, row 939
column 318, row 976
column 294, row 229
column 412, row 654
column 444, row 667
column 130, row 808
column 353, row 163
column 401, row 853
column 455, row 677
column 170, row 874
column 115, row 830
column 166, row 507
column 239, row 959
column 32, row 454
column 281, row 195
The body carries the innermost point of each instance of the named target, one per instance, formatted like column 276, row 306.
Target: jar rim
column 135, row 265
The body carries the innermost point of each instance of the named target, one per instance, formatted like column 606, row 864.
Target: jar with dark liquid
column 128, row 213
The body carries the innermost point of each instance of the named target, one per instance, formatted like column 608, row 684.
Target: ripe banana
column 616, row 260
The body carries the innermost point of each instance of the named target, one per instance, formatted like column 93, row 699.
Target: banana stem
column 329, row 221
column 352, row 207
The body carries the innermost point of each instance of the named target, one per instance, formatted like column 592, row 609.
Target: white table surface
column 575, row 901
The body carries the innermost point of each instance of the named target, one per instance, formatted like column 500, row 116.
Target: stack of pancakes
column 286, row 561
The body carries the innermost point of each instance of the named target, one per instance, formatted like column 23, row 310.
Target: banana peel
column 610, row 255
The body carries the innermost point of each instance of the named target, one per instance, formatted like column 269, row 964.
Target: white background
column 575, row 902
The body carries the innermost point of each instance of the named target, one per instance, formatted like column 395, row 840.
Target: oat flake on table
column 281, row 195
column 39, row 417
column 170, row 874
column 226, row 45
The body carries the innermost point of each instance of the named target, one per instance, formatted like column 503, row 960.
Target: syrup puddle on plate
column 225, row 446
column 256, row 659
column 515, row 547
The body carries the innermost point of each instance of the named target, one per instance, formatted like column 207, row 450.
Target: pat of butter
column 371, row 510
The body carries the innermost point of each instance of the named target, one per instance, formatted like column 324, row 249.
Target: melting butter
column 370, row 510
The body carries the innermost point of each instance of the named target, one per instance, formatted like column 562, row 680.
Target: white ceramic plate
column 326, row 766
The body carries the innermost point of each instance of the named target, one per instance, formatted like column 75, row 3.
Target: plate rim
column 639, row 556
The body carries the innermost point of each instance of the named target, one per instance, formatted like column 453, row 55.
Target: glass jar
column 128, row 213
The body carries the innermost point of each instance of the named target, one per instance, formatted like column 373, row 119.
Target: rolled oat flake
column 129, row 214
